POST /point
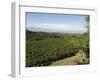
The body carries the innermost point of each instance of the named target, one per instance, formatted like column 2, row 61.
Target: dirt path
column 66, row 61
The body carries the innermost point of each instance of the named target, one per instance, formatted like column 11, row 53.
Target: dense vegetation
column 43, row 48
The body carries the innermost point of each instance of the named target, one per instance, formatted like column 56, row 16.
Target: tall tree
column 88, row 23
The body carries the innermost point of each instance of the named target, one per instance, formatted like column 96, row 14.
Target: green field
column 45, row 49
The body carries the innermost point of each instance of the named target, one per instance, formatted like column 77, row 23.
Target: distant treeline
column 40, row 35
column 44, row 35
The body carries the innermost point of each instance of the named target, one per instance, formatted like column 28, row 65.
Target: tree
column 87, row 23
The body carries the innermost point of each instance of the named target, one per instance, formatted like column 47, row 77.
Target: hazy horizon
column 48, row 31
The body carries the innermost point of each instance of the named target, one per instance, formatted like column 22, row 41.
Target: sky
column 52, row 22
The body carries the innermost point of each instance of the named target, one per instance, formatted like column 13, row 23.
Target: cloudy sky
column 62, row 23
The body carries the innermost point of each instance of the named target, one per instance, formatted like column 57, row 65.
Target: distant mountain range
column 52, row 31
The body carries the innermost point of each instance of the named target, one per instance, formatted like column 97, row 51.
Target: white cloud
column 55, row 26
column 58, row 27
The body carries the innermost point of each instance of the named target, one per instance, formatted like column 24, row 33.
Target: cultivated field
column 54, row 49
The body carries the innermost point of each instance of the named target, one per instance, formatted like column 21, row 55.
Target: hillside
column 42, row 48
column 71, row 60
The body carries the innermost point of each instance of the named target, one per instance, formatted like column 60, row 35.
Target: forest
column 43, row 48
